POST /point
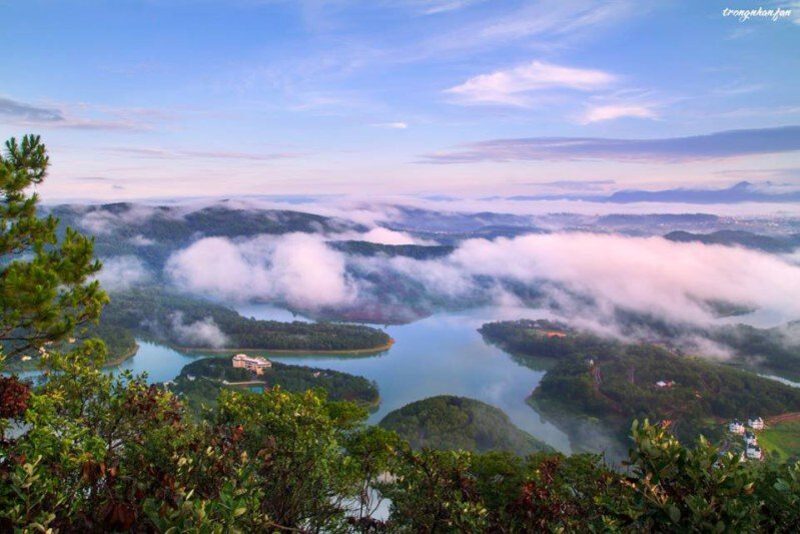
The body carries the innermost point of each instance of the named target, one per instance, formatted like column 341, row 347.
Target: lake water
column 443, row 354
column 440, row 355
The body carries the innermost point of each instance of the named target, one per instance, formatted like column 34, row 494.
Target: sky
column 173, row 98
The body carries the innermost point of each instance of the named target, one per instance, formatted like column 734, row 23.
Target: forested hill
column 533, row 340
column 615, row 382
column 448, row 422
column 190, row 322
column 153, row 233
column 764, row 350
column 180, row 223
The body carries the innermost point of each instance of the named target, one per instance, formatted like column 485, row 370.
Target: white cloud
column 585, row 277
column 122, row 272
column 299, row 269
column 202, row 333
column 617, row 111
column 513, row 86
column 648, row 275
column 385, row 236
column 105, row 222
column 434, row 7
column 64, row 116
column 141, row 241
column 392, row 125
column 545, row 23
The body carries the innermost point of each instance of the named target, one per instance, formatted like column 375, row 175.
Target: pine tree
column 45, row 287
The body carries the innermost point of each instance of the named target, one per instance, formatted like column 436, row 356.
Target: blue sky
column 187, row 98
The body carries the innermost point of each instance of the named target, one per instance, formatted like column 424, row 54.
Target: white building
column 754, row 453
column 750, row 439
column 255, row 364
column 736, row 427
column 756, row 424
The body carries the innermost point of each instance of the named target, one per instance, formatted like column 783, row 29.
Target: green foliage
column 452, row 491
column 528, row 340
column 620, row 386
column 448, row 422
column 667, row 488
column 776, row 350
column 207, row 376
column 44, row 290
column 616, row 382
column 689, row 489
column 781, row 440
column 119, row 341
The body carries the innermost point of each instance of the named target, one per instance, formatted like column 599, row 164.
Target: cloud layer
column 514, row 86
column 123, row 272
column 202, row 333
column 617, row 111
column 726, row 144
column 586, row 276
column 297, row 269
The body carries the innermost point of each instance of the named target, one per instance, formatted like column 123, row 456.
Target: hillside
column 621, row 383
column 448, row 422
column 612, row 383
column 152, row 233
column 772, row 350
column 531, row 341
column 763, row 350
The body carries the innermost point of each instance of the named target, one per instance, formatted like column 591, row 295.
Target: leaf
column 674, row 513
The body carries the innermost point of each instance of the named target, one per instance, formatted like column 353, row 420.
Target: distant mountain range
column 740, row 192
column 775, row 244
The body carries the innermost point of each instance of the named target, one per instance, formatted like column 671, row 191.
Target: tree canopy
column 45, row 292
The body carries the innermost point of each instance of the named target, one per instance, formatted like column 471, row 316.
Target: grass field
column 781, row 441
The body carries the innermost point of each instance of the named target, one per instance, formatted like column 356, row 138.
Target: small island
column 200, row 382
column 449, row 423
column 187, row 322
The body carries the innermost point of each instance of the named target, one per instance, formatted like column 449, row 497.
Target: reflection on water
column 443, row 354
column 159, row 362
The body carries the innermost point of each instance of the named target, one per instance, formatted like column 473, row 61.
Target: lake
column 442, row 354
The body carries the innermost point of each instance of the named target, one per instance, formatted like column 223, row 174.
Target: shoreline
column 113, row 362
column 298, row 352
column 30, row 365
column 372, row 406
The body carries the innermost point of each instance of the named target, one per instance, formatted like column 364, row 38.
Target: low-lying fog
column 579, row 267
